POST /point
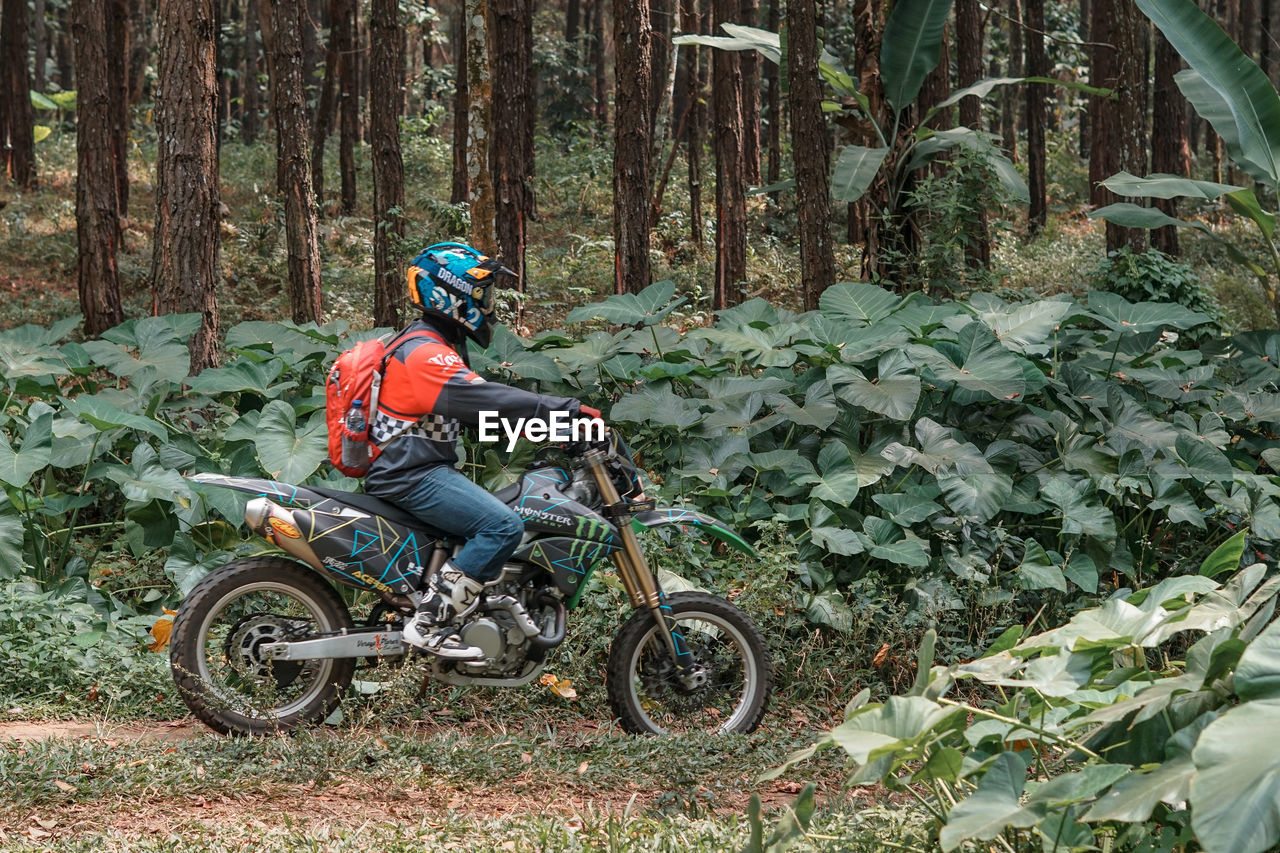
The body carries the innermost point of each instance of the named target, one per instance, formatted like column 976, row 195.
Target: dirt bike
column 264, row 644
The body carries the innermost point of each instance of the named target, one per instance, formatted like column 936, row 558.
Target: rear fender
column 683, row 518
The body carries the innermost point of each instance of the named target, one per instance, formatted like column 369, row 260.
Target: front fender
column 664, row 515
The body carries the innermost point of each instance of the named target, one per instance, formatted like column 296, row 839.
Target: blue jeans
column 449, row 502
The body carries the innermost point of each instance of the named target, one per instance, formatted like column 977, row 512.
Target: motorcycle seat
column 377, row 506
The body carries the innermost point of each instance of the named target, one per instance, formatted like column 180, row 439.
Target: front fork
column 633, row 569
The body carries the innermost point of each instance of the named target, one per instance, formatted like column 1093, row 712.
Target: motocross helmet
column 455, row 281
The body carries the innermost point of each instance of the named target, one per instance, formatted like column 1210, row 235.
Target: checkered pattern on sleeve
column 431, row 427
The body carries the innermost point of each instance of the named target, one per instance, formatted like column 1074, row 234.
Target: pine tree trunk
column 17, row 144
column 660, row 57
column 344, row 29
column 864, row 221
column 63, row 50
column 323, row 125
column 386, row 97
column 460, row 188
column 280, row 22
column 98, row 278
column 1082, row 144
column 750, row 61
column 118, row 68
column 1037, row 66
column 773, row 109
column 249, row 122
column 1170, row 151
column 808, row 146
column 598, row 60
column 184, row 268
column 511, row 157
column 1119, row 134
column 1010, row 102
column 139, row 49
column 40, row 38
column 969, row 53
column 693, row 129
column 633, row 139
column 727, row 139
column 480, row 128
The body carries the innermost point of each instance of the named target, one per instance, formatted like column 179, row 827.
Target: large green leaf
column 1213, row 108
column 1081, row 513
column 287, row 451
column 996, row 804
column 1119, row 314
column 857, row 301
column 1160, row 185
column 1210, row 52
column 910, row 48
column 1022, row 328
column 1133, row 798
column 894, row 393
column 18, row 466
column 898, row 721
column 767, row 44
column 976, row 362
column 11, row 536
column 106, row 416
column 854, row 171
column 978, row 495
column 1037, row 571
column 1129, row 215
column 1235, row 795
column 1225, row 558
column 1258, row 672
column 1245, row 203
column 649, row 306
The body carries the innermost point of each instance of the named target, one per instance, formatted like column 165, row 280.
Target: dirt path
column 284, row 805
column 154, row 732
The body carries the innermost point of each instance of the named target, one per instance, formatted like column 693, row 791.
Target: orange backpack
column 356, row 376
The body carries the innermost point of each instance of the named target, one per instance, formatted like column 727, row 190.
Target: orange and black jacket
column 428, row 392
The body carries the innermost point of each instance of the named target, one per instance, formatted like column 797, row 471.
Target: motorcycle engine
column 493, row 630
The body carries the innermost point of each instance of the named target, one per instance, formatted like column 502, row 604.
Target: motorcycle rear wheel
column 215, row 648
column 731, row 690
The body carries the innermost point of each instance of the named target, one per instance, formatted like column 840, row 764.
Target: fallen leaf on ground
column 64, row 787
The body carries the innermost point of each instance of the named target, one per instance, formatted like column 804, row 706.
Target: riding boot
column 449, row 594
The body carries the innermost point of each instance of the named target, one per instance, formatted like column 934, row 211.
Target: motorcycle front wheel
column 216, row 649
column 726, row 689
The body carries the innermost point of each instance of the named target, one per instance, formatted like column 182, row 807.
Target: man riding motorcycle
column 428, row 393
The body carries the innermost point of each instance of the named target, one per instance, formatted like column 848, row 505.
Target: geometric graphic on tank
column 350, row 546
column 569, row 561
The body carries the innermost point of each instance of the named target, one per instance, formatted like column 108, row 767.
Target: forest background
column 914, row 329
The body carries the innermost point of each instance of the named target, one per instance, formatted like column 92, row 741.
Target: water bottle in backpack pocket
column 355, row 438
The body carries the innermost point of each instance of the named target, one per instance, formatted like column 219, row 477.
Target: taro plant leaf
column 906, row 509
column 1024, row 328
column 894, row 393
column 858, row 301
column 1160, row 185
column 1081, row 513
column 939, row 451
column 760, row 347
column 1037, row 571
column 910, row 48
column 1119, row 314
column 163, row 359
column 995, row 805
column 1203, row 461
column 242, row 375
column 288, row 451
column 855, row 170
column 976, row 362
column 978, row 495
column 506, row 352
column 1251, row 98
column 1235, row 794
column 658, row 406
column 106, row 416
column 1258, row 673
column 1225, row 558
column 829, row 608
column 11, row 535
column 18, row 466
column 838, row 484
column 898, row 721
column 886, row 541
column 1133, row 798
column 647, row 307
column 1130, row 215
